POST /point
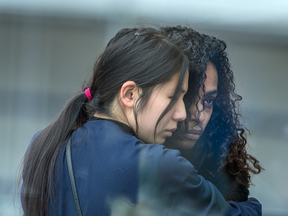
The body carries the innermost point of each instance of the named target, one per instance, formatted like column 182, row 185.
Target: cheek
column 146, row 131
column 208, row 117
column 149, row 121
column 161, row 124
column 210, row 114
column 165, row 120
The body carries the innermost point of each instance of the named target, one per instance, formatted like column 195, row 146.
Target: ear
column 129, row 93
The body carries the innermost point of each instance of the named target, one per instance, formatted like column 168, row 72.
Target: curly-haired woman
column 212, row 137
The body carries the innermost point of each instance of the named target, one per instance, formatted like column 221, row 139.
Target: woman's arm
column 176, row 183
column 226, row 183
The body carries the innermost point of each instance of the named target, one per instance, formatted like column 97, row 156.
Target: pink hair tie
column 88, row 94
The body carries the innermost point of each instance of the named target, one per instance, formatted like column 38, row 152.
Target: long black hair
column 142, row 55
column 224, row 138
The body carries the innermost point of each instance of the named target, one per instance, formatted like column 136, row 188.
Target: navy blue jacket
column 112, row 166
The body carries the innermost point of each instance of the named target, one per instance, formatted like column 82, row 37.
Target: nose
column 201, row 116
column 180, row 111
column 198, row 115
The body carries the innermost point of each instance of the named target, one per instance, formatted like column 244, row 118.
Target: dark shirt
column 111, row 164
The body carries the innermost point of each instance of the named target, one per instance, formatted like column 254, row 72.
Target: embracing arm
column 226, row 183
column 250, row 207
column 207, row 200
column 174, row 179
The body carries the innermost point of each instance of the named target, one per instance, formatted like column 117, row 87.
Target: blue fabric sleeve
column 175, row 180
column 244, row 208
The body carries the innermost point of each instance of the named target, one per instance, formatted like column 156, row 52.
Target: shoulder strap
column 71, row 175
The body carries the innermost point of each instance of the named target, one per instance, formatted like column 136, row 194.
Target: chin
column 185, row 144
column 159, row 141
column 176, row 144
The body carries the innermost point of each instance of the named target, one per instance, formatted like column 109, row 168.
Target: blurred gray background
column 48, row 48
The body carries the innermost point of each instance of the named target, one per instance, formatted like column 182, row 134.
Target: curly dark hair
column 224, row 138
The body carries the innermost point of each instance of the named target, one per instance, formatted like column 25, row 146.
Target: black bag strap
column 71, row 175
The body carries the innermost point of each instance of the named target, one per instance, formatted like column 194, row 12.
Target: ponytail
column 41, row 156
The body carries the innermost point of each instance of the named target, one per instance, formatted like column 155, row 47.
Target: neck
column 119, row 112
column 105, row 116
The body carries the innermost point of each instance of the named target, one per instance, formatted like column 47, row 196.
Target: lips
column 193, row 134
column 170, row 132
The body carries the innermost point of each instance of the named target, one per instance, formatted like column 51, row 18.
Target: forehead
column 173, row 82
column 211, row 81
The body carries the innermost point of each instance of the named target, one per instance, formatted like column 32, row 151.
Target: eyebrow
column 211, row 92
